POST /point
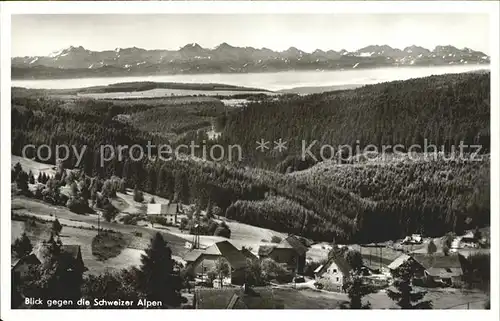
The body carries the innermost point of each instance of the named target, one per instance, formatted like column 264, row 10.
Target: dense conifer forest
column 363, row 202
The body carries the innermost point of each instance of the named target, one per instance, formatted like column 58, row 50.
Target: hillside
column 75, row 62
column 443, row 110
column 350, row 202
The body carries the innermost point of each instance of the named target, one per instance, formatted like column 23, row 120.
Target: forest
column 443, row 109
column 361, row 202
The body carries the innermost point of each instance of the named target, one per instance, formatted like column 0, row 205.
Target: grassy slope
column 35, row 167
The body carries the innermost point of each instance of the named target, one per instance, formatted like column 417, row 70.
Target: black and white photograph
column 250, row 160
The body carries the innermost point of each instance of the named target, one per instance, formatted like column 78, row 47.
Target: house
column 443, row 269
column 417, row 267
column 69, row 259
column 70, row 256
column 169, row 211
column 468, row 240
column 236, row 298
column 291, row 251
column 334, row 273
column 203, row 261
column 413, row 239
column 21, row 266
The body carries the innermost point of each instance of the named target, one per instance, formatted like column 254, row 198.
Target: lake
column 269, row 81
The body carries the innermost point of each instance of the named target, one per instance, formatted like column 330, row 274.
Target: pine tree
column 17, row 169
column 138, row 196
column 156, row 277
column 221, row 270
column 58, row 277
column 31, row 178
column 431, row 247
column 22, row 246
column 56, row 227
column 22, row 182
column 404, row 295
column 356, row 290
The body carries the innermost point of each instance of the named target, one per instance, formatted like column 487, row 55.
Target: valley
column 364, row 202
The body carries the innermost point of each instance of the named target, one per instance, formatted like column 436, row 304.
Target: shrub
column 109, row 211
column 223, row 230
column 155, row 219
column 184, row 223
column 212, row 227
column 22, row 246
column 56, row 227
column 272, row 270
column 78, row 205
column 138, row 196
column 276, row 239
column 107, row 245
column 130, row 219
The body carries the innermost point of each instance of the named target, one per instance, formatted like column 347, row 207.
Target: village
column 272, row 273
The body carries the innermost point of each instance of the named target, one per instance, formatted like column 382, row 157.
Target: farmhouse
column 444, row 269
column 468, row 240
column 436, row 268
column 70, row 257
column 204, row 261
column 169, row 211
column 405, row 258
column 334, row 273
column 21, row 266
column 413, row 239
column 291, row 251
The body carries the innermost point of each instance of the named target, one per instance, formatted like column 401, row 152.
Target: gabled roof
column 339, row 260
column 236, row 298
column 437, row 261
column 72, row 250
column 444, row 272
column 264, row 250
column 399, row 261
column 291, row 242
column 296, row 243
column 318, row 269
column 28, row 259
column 193, row 255
column 228, row 251
column 163, row 209
column 249, row 255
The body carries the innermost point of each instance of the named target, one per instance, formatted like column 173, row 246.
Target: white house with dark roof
column 169, row 211
column 334, row 273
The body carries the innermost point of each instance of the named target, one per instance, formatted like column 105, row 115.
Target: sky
column 34, row 35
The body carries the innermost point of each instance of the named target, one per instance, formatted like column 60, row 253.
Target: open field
column 35, row 167
column 83, row 237
column 241, row 234
column 447, row 298
column 29, row 207
column 160, row 92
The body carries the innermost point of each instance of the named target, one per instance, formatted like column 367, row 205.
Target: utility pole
column 381, row 250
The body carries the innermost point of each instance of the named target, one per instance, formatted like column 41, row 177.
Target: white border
column 8, row 8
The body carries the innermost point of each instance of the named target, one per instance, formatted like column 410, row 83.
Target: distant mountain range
column 192, row 59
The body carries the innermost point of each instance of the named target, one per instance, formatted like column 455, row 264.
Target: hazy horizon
column 40, row 35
